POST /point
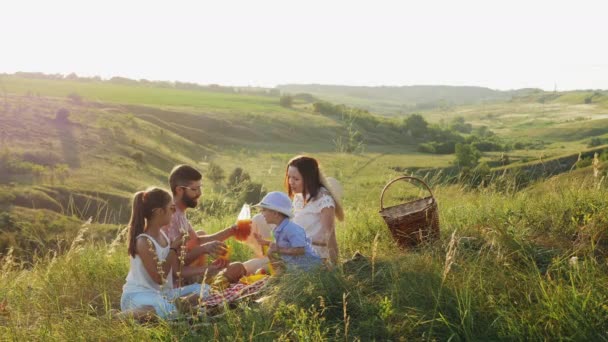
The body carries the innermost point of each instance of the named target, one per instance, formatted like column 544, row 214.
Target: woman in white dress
column 316, row 204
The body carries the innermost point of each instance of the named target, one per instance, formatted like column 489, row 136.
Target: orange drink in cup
column 244, row 229
column 243, row 223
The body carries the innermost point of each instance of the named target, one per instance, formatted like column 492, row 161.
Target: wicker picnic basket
column 413, row 222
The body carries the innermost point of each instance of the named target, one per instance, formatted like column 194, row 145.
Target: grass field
column 525, row 264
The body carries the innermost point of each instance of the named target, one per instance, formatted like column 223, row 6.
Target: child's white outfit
column 140, row 290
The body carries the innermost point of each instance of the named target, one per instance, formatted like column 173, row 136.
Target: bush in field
column 459, row 125
column 426, row 148
column 215, row 173
column 138, row 157
column 415, row 125
column 237, row 178
column 62, row 115
column 483, row 131
column 595, row 142
column 584, row 162
column 467, row 156
column 252, row 193
column 286, row 101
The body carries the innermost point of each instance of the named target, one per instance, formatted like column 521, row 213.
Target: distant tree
column 62, row 115
column 483, row 131
column 467, row 156
column 416, row 125
column 286, row 101
column 306, row 97
column 458, row 124
column 426, row 148
column 215, row 173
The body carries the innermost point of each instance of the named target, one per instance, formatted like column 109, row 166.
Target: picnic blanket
column 233, row 293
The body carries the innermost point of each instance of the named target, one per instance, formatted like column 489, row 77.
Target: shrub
column 138, row 157
column 253, row 193
column 467, row 156
column 237, row 178
column 215, row 173
column 595, row 142
column 62, row 115
column 286, row 101
column 426, row 148
column 584, row 162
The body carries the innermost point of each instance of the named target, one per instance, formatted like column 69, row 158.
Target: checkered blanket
column 234, row 292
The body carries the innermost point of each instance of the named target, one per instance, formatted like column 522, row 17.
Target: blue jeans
column 163, row 305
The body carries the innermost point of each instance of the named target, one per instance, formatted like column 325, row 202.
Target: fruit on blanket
column 248, row 280
column 261, row 271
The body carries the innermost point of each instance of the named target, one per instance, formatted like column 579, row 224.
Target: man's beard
column 189, row 201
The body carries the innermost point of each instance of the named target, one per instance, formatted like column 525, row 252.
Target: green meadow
column 515, row 261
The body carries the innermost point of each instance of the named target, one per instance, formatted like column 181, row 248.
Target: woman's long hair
column 144, row 203
column 309, row 169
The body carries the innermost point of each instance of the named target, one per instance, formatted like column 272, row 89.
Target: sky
column 496, row 44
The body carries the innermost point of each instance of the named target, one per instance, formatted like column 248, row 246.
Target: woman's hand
column 215, row 248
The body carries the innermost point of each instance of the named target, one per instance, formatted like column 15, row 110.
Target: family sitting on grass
column 169, row 271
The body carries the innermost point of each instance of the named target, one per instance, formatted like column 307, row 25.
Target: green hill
column 527, row 262
column 405, row 99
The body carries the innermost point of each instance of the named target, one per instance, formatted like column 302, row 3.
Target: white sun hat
column 335, row 190
column 277, row 201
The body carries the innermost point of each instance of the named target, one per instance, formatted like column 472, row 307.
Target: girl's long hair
column 309, row 169
column 144, row 203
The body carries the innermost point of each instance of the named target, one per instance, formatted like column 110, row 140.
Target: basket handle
column 409, row 178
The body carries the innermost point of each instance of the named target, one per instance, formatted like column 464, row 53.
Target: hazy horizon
column 502, row 46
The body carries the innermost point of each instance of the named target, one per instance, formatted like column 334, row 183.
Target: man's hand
column 233, row 229
column 220, row 263
column 215, row 248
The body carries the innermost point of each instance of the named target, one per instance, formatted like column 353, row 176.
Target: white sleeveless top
column 309, row 217
column 138, row 279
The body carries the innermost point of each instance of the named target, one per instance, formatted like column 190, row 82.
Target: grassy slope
column 510, row 274
column 396, row 100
